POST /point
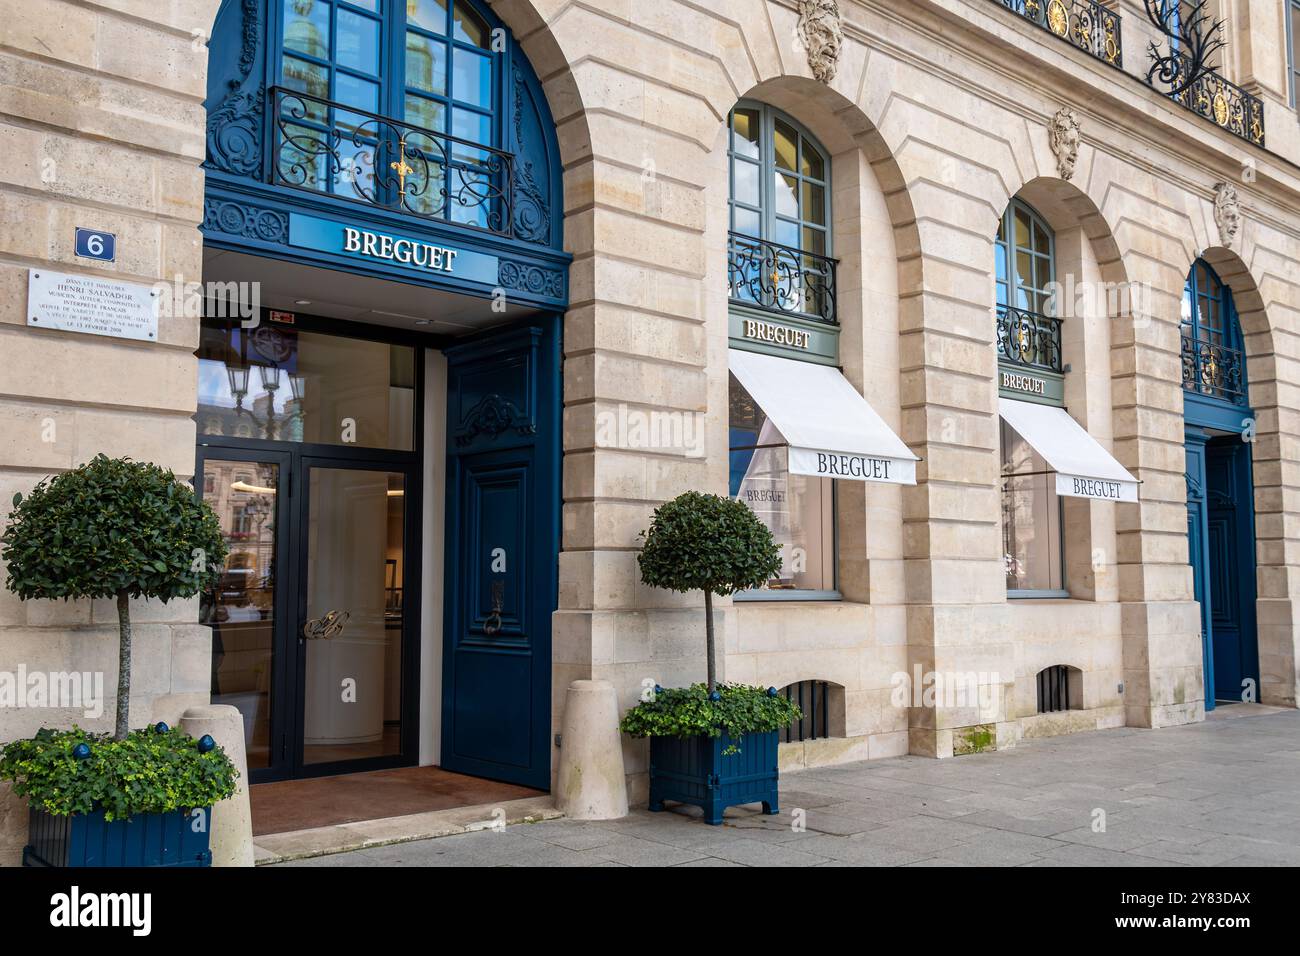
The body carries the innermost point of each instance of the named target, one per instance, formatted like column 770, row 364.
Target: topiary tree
column 709, row 543
column 112, row 528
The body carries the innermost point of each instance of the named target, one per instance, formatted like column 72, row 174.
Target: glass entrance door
column 308, row 452
column 311, row 620
column 352, row 632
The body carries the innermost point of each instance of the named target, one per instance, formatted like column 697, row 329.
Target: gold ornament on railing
column 401, row 166
column 1210, row 371
column 1221, row 111
column 1112, row 43
column 1058, row 18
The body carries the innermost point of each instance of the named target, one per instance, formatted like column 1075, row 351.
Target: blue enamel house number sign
column 93, row 244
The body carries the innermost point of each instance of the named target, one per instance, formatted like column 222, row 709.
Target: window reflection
column 240, row 606
column 461, row 79
column 1031, row 518
column 797, row 509
column 469, row 26
column 427, row 15
column 287, row 385
column 307, row 27
column 1031, row 260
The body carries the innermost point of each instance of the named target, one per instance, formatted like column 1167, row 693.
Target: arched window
column 1028, row 336
column 780, row 214
column 411, row 70
column 1025, row 260
column 779, row 262
column 1060, row 687
column 822, row 706
column 1213, row 351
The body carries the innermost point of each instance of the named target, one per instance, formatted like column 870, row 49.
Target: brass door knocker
column 323, row 628
column 493, row 624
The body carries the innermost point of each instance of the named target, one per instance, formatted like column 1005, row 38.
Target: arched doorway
column 1219, row 425
column 380, row 418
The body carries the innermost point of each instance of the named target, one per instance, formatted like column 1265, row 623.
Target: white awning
column 1083, row 468
column 831, row 430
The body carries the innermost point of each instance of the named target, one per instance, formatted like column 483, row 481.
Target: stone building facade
column 935, row 117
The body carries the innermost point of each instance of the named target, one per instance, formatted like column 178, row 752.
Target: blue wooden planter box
column 696, row 770
column 87, row 839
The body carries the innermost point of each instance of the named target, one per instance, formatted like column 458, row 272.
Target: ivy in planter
column 155, row 770
column 733, row 709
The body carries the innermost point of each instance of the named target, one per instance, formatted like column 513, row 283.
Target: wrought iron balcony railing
column 1029, row 339
column 330, row 147
column 1210, row 95
column 780, row 278
column 1087, row 25
column 1214, row 370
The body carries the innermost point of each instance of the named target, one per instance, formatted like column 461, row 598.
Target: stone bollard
column 231, row 836
column 591, row 784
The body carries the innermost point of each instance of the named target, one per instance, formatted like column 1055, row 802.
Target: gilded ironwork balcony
column 1029, row 339
column 768, row 275
column 1085, row 24
column 1214, row 370
column 1210, row 95
column 329, row 147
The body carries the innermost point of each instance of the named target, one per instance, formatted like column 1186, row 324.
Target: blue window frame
column 428, row 63
column 1025, row 260
column 1213, row 349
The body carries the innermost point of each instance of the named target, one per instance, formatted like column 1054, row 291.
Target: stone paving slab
column 1222, row 793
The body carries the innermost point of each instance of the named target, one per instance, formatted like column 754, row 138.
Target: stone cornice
column 1121, row 109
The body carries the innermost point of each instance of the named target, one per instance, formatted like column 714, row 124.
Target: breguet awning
column 1083, row 468
column 831, row 430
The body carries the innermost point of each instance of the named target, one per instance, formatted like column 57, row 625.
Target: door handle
column 323, row 628
column 493, row 623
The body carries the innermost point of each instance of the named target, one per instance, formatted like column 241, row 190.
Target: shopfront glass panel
column 353, row 629
column 240, row 606
column 288, row 385
column 797, row 509
column 1031, row 519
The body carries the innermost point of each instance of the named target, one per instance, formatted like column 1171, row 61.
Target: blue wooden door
column 1198, row 549
column 502, row 541
column 1231, row 560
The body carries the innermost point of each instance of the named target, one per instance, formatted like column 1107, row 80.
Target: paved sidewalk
column 1222, row 793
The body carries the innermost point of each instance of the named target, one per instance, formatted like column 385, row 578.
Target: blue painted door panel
column 1198, row 548
column 1231, row 564
column 493, row 653
column 502, row 550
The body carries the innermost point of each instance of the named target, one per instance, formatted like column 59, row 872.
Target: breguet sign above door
column 791, row 336
column 403, row 252
column 1034, row 386
column 756, row 330
column 408, row 252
